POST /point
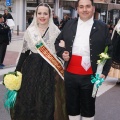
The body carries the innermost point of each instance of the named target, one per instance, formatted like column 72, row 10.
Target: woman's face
column 43, row 15
column 6, row 12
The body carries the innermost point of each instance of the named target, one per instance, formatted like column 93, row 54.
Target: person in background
column 30, row 19
column 63, row 21
column 55, row 20
column 7, row 15
column 115, row 68
column 4, row 39
column 110, row 31
column 41, row 96
column 79, row 45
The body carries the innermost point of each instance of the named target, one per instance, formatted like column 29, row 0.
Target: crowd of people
column 60, row 24
column 57, row 61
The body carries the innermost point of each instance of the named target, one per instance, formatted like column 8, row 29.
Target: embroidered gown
column 115, row 69
column 41, row 96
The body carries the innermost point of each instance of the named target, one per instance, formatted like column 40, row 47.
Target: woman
column 7, row 15
column 115, row 69
column 8, row 19
column 41, row 86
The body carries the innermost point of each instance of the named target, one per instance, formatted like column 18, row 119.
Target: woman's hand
column 66, row 56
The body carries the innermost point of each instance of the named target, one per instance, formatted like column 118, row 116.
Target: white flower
column 104, row 55
column 98, row 61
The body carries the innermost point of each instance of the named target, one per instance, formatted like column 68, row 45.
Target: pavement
column 108, row 96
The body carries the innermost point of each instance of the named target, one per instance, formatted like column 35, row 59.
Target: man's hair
column 92, row 1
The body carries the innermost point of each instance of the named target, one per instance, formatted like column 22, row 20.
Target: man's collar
column 90, row 21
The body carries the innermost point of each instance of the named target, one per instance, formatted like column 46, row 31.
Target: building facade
column 21, row 10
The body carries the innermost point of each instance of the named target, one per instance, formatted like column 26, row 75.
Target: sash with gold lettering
column 44, row 51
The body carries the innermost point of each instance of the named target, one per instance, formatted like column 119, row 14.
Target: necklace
column 42, row 29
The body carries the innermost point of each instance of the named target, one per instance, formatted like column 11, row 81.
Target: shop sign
column 8, row 2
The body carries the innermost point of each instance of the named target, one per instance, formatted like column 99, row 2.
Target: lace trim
column 25, row 46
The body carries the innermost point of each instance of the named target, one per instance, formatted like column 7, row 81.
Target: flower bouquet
column 97, row 80
column 12, row 82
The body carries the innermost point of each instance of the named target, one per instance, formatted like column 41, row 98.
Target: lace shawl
column 53, row 32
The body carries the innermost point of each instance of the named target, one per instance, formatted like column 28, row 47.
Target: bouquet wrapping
column 12, row 82
column 97, row 80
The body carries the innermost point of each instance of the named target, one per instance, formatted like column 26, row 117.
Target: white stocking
column 77, row 117
column 87, row 118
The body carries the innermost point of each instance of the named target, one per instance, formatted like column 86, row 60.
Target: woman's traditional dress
column 41, row 96
column 115, row 69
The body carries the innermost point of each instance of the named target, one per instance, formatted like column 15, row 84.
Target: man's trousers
column 79, row 98
column 3, row 48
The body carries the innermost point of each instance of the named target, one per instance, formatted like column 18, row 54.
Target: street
column 108, row 96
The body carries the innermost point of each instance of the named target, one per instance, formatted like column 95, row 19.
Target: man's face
column 85, row 9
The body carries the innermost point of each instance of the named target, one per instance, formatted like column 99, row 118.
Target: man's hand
column 66, row 56
column 62, row 43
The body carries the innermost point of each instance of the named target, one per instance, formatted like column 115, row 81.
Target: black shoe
column 1, row 67
column 118, row 83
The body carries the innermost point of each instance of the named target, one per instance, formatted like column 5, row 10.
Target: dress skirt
column 41, row 96
column 115, row 70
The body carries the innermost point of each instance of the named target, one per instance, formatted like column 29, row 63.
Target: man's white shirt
column 81, row 43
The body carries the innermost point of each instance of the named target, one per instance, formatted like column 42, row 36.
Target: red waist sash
column 75, row 67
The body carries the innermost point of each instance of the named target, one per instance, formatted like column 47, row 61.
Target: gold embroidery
column 52, row 59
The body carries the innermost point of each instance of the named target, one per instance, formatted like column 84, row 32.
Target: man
column 4, row 39
column 79, row 45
